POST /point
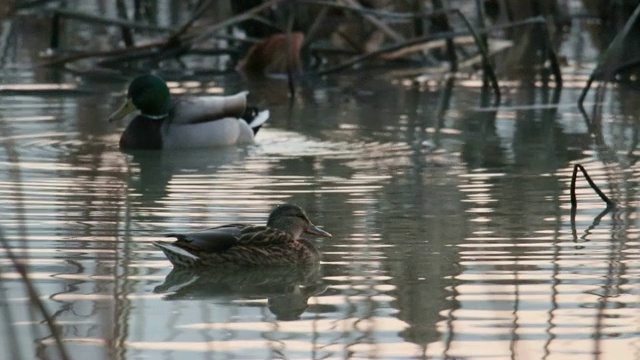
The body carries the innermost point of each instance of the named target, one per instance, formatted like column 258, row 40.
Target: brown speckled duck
column 277, row 243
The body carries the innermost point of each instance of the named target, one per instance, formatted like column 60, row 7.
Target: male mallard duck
column 186, row 122
column 278, row 243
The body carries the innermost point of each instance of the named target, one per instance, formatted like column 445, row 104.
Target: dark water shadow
column 287, row 289
column 157, row 168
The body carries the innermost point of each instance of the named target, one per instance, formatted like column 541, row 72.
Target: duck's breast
column 142, row 133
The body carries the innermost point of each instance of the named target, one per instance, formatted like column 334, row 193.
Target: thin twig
column 290, row 60
column 188, row 35
column 34, row 298
column 186, row 26
column 363, row 10
column 551, row 52
column 413, row 15
column 127, row 35
column 94, row 19
column 443, row 22
column 387, row 49
column 418, row 24
column 481, row 22
column 200, row 33
column 14, row 350
column 149, row 49
column 574, row 201
column 313, row 30
column 488, row 69
column 382, row 26
column 486, row 65
column 614, row 47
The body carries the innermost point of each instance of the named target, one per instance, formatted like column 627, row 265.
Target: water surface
column 451, row 223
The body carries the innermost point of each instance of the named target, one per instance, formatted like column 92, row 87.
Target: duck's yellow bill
column 126, row 109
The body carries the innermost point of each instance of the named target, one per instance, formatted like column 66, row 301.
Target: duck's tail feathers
column 255, row 118
column 177, row 255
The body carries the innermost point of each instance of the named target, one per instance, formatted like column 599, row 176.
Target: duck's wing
column 212, row 240
column 197, row 110
column 223, row 238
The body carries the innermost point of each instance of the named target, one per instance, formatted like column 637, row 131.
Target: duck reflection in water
column 152, row 171
column 253, row 262
column 287, row 289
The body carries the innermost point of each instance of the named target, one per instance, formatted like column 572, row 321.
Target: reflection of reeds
column 610, row 64
column 14, row 349
column 34, row 299
column 36, row 304
column 574, row 201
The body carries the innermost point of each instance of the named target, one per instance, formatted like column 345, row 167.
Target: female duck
column 186, row 122
column 278, row 243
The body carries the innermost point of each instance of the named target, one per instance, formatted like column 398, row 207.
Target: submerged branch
column 387, row 49
column 574, row 201
column 485, row 58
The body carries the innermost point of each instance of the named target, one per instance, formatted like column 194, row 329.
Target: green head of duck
column 150, row 95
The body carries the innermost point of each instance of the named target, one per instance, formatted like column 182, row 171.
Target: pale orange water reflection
column 452, row 233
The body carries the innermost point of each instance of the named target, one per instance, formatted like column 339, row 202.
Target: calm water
column 452, row 234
